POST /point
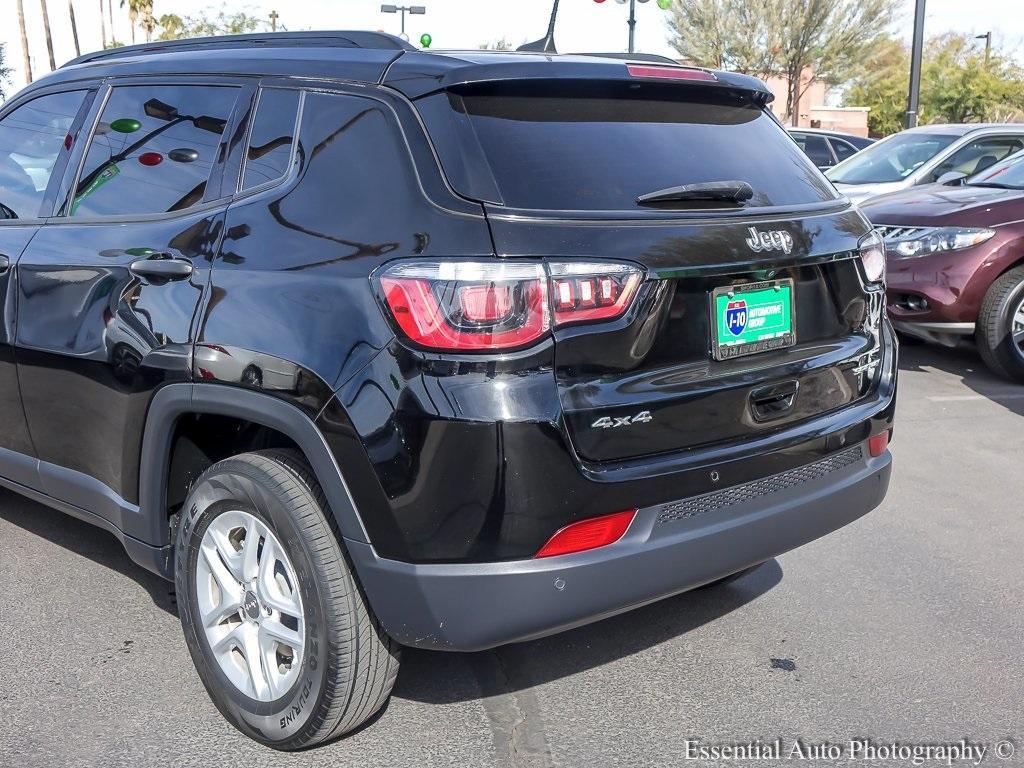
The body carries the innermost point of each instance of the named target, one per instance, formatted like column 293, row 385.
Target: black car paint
column 282, row 276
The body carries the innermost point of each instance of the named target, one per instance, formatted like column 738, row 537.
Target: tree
column 882, row 86
column 103, row 25
column 5, row 72
column 804, row 41
column 174, row 27
column 74, row 27
column 27, row 60
column 499, row 45
column 958, row 85
column 46, row 33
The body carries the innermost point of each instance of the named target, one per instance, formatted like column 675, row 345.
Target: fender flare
column 175, row 400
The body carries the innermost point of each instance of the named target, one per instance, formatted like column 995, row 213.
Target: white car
column 925, row 155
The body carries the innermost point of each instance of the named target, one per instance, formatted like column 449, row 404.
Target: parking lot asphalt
column 906, row 625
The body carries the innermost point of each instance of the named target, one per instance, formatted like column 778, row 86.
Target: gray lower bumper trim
column 474, row 606
column 940, row 333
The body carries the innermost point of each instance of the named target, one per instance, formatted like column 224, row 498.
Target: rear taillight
column 483, row 306
column 872, row 256
column 878, row 444
column 588, row 534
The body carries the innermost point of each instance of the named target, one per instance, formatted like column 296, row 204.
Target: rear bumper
column 668, row 549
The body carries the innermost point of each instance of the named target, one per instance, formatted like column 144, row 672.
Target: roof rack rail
column 335, row 39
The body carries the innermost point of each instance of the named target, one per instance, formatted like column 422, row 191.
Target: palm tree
column 74, row 27
column 24, row 41
column 110, row 13
column 137, row 9
column 103, row 26
column 49, row 38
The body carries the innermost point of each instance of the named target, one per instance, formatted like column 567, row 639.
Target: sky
column 583, row 25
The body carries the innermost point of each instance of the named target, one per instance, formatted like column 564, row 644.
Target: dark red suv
column 956, row 262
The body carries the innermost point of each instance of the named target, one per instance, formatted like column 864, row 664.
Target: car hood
column 858, row 193
column 937, row 205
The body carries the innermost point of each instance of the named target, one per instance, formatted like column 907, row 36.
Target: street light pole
column 915, row 65
column 632, row 25
column 988, row 44
column 415, row 10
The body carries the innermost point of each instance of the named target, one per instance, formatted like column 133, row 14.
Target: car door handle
column 162, row 266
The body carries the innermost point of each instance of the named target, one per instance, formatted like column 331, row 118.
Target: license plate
column 751, row 318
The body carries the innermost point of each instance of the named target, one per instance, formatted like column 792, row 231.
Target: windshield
column 599, row 148
column 892, row 159
column 1009, row 173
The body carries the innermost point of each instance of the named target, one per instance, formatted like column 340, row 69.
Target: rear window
column 598, row 151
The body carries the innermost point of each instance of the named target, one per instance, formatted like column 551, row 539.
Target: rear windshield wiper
column 728, row 191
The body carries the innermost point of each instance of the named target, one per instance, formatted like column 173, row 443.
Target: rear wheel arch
column 175, row 402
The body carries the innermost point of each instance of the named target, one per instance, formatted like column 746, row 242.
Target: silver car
column 925, row 155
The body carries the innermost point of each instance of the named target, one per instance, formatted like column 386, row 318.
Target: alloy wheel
column 249, row 603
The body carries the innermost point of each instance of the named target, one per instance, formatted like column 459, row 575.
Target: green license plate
column 752, row 318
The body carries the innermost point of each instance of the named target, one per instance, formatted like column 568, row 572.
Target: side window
column 153, row 149
column 815, row 147
column 976, row 156
column 842, row 149
column 270, row 141
column 31, row 140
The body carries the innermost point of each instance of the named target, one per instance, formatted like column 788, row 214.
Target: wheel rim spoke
column 250, row 551
column 273, row 631
column 251, row 609
column 225, row 579
column 254, row 661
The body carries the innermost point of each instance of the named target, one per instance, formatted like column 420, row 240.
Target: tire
column 335, row 667
column 994, row 330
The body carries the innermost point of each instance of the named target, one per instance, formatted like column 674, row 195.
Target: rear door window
column 573, row 147
column 816, row 148
column 153, row 149
column 842, row 149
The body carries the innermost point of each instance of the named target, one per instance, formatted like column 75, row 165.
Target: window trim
column 89, row 89
column 62, row 216
column 240, row 193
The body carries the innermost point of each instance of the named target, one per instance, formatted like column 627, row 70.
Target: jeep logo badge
column 775, row 240
column 251, row 606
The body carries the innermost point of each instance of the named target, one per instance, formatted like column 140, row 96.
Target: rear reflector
column 878, row 443
column 588, row 534
column 670, row 73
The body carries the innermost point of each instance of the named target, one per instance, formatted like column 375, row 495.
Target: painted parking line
column 963, row 398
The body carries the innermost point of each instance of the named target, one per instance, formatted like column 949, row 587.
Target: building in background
column 813, row 110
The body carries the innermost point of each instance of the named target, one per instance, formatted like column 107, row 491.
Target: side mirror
column 952, row 179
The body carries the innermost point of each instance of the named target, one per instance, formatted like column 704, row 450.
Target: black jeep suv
column 366, row 346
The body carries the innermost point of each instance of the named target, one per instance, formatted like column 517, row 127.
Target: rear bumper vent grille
column 740, row 494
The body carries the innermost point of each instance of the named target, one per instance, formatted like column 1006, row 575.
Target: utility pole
column 915, row 64
column 632, row 26
column 988, row 45
column 273, row 21
column 415, row 10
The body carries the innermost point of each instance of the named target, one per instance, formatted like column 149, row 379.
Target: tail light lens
column 588, row 534
column 485, row 306
column 872, row 256
column 877, row 444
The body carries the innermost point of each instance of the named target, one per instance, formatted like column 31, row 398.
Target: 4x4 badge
column 775, row 240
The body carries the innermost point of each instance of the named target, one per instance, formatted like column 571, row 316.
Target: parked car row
column 949, row 202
